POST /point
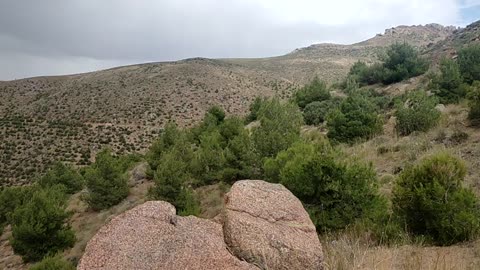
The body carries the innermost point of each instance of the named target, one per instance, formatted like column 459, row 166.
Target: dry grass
column 351, row 252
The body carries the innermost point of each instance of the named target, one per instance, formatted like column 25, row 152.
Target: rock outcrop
column 264, row 227
column 151, row 236
column 265, row 224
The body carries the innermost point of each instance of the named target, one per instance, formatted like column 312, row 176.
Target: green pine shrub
column 336, row 192
column 39, row 225
column 469, row 63
column 316, row 112
column 279, row 127
column 53, row 263
column 10, row 199
column 416, row 112
column 474, row 103
column 62, row 174
column 431, row 201
column 165, row 141
column 254, row 108
column 316, row 90
column 448, row 84
column 106, row 182
column 401, row 61
column 356, row 118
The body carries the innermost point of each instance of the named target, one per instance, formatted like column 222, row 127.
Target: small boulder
column 440, row 108
column 266, row 225
column 151, row 236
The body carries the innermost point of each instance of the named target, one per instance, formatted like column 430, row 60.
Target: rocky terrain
column 69, row 118
column 252, row 233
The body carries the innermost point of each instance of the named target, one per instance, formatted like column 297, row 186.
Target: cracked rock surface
column 151, row 236
column 266, row 225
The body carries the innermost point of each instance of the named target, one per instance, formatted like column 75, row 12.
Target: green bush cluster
column 469, row 63
column 10, row 199
column 316, row 112
column 474, row 103
column 416, row 112
column 218, row 149
column 53, row 263
column 61, row 174
column 315, row 101
column 316, row 90
column 401, row 62
column 430, row 200
column 39, row 224
column 448, row 84
column 106, row 182
column 279, row 127
column 336, row 192
column 356, row 118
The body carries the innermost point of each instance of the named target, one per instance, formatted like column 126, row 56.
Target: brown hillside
column 69, row 118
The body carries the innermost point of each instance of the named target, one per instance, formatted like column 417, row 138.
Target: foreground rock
column 265, row 224
column 151, row 236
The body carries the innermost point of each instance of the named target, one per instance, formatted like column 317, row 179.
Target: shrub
column 217, row 112
column 209, row 158
column 469, row 62
column 400, row 62
column 162, row 144
column 430, row 200
column 365, row 75
column 316, row 112
column 337, row 193
column 254, row 108
column 316, row 90
column 173, row 177
column 187, row 203
column 474, row 100
column 448, row 84
column 416, row 112
column 241, row 161
column 10, row 199
column 279, row 127
column 106, row 182
column 39, row 225
column 61, row 174
column 53, row 263
column 355, row 118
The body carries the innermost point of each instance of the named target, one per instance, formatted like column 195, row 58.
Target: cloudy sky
column 51, row 37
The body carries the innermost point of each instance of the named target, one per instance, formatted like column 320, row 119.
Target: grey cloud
column 75, row 36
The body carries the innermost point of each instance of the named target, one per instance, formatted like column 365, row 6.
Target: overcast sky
column 50, row 37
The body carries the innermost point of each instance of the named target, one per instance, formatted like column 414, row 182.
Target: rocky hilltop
column 263, row 226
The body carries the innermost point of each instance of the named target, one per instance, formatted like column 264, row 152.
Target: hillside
column 70, row 118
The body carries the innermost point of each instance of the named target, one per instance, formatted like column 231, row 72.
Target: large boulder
column 266, row 225
column 151, row 236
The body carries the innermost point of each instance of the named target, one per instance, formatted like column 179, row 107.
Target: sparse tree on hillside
column 39, row 225
column 474, row 100
column 416, row 112
column 280, row 127
column 469, row 62
column 432, row 202
column 316, row 90
column 106, row 182
column 356, row 118
column 61, row 174
column 448, row 84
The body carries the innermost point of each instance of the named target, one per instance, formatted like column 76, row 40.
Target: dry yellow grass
column 350, row 252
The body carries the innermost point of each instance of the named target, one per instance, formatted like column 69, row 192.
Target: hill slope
column 69, row 118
